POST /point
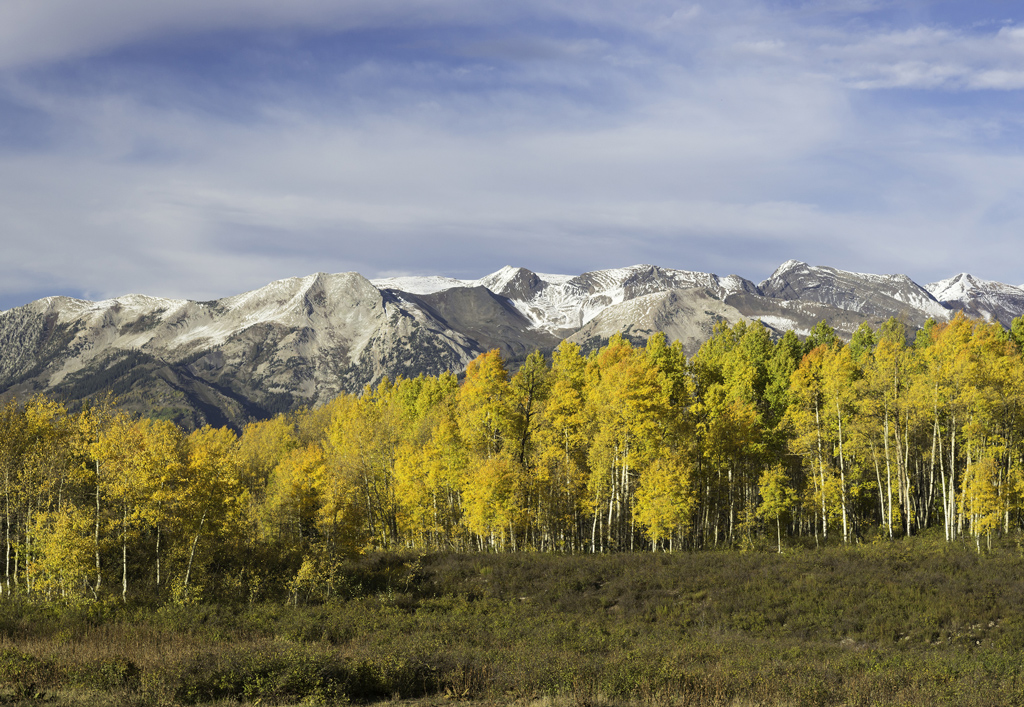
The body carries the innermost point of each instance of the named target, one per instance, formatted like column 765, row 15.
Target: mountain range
column 301, row 341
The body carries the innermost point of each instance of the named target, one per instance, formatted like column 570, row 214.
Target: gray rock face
column 302, row 341
column 688, row 316
column 490, row 320
column 294, row 342
column 869, row 295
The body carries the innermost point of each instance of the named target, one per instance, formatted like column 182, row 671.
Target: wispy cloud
column 201, row 148
column 930, row 58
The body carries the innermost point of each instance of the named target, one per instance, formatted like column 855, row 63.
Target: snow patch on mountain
column 554, row 279
column 556, row 302
column 420, row 284
column 734, row 284
column 569, row 303
column 786, row 267
column 783, row 324
column 559, row 302
column 66, row 308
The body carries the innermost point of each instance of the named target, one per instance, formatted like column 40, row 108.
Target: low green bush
column 25, row 675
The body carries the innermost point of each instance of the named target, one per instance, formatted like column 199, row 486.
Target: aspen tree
column 484, row 410
column 430, row 473
column 938, row 352
column 784, row 359
column 885, row 399
column 730, row 381
column 64, row 551
column 262, row 446
column 627, row 400
column 979, row 501
column 296, row 494
column 495, row 483
column 811, row 436
column 838, row 377
column 13, row 443
column 563, row 439
column 777, row 497
column 528, row 391
column 490, row 502
column 211, row 486
column 862, row 344
column 665, row 498
column 361, row 443
column 430, row 463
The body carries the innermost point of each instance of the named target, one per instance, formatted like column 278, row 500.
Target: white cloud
column 928, row 58
column 690, row 135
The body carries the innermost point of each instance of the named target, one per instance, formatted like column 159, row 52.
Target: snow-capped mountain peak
column 875, row 295
column 979, row 298
column 956, row 288
column 790, row 264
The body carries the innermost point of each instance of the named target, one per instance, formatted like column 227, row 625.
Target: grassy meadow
column 915, row 622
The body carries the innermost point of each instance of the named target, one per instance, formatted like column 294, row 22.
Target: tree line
column 627, row 448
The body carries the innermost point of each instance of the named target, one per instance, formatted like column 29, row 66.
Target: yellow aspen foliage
column 839, row 376
column 563, row 438
column 528, row 392
column 485, row 415
column 489, row 504
column 211, row 488
column 417, row 502
column 341, row 522
column 297, row 492
column 212, row 472
column 626, row 398
column 140, row 463
column 666, row 498
column 361, row 445
column 810, row 441
column 777, row 497
column 262, row 446
column 781, row 364
column 979, row 501
column 64, row 560
column 429, row 482
column 496, row 437
column 46, row 457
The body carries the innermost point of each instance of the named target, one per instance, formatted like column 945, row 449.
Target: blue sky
column 206, row 147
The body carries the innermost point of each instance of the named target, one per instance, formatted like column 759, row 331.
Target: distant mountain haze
column 302, row 341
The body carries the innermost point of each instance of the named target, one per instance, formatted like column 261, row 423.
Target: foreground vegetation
column 916, row 622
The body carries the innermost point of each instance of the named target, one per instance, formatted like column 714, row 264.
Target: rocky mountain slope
column 303, row 340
